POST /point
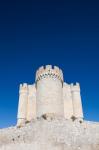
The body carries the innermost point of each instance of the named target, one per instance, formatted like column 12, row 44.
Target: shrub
column 73, row 118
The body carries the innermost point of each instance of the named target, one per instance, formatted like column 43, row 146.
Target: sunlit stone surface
column 49, row 96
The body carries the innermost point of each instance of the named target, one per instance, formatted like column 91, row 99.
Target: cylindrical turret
column 68, row 104
column 77, row 104
column 31, row 105
column 49, row 83
column 22, row 107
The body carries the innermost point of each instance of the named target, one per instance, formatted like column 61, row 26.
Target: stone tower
column 49, row 96
column 76, row 99
column 22, row 107
column 67, row 99
column 27, row 104
column 49, row 85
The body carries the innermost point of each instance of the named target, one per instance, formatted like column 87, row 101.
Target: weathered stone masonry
column 49, row 95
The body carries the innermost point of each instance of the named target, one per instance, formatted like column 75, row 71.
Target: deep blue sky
column 35, row 33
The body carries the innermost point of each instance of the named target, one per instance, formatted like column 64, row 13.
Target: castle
column 49, row 96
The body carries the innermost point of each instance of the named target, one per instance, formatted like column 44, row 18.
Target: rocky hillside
column 56, row 134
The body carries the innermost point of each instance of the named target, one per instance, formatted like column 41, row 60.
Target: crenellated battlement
column 49, row 71
column 49, row 96
column 75, row 87
column 67, row 86
column 29, row 89
column 23, row 88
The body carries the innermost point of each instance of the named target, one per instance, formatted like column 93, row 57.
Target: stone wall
column 77, row 103
column 68, row 103
column 58, row 134
column 50, row 96
column 22, row 106
column 72, row 101
column 31, row 105
column 27, row 104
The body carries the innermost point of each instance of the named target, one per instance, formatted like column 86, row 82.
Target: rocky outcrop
column 57, row 134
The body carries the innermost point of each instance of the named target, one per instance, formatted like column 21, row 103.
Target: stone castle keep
column 49, row 96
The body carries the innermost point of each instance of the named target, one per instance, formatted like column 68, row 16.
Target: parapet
column 67, row 86
column 75, row 87
column 49, row 71
column 31, row 89
column 23, row 88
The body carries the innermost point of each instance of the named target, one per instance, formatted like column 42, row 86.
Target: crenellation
column 77, row 104
column 77, row 84
column 71, row 84
column 25, row 85
column 36, row 74
column 23, row 88
column 61, row 75
column 49, row 72
column 22, row 106
column 31, row 105
column 20, row 86
column 41, row 69
column 66, row 84
column 49, row 96
column 48, row 67
column 31, row 89
column 75, row 87
column 49, row 92
column 67, row 98
column 57, row 70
